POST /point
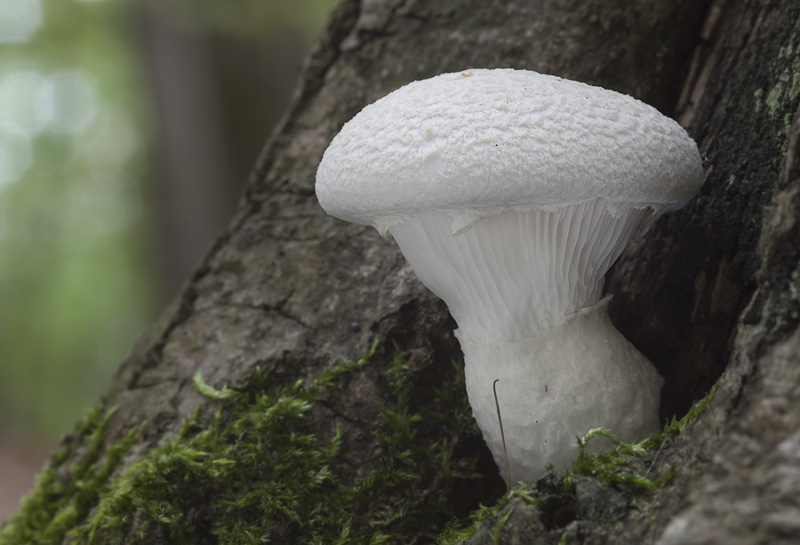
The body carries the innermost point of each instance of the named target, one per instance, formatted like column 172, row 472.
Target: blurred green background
column 127, row 129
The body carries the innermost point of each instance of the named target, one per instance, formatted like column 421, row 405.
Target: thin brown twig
column 502, row 435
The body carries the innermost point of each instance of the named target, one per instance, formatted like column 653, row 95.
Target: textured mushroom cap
column 479, row 142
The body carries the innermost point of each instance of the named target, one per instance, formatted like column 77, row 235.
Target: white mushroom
column 511, row 194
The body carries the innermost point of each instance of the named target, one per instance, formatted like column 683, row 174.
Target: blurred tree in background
column 75, row 283
column 126, row 131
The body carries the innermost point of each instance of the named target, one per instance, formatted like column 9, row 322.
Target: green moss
column 60, row 500
column 261, row 476
column 498, row 527
column 611, row 467
column 457, row 531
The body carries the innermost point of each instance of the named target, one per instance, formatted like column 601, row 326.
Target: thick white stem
column 525, row 289
column 556, row 385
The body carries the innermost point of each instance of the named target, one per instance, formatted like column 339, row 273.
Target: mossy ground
column 262, row 475
column 58, row 505
column 611, row 468
column 265, row 478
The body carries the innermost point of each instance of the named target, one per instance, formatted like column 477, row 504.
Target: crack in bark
column 265, row 307
column 145, row 385
column 358, row 423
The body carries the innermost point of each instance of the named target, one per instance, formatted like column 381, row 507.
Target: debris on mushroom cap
column 503, row 139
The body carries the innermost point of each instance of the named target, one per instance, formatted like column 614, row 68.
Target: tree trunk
column 709, row 294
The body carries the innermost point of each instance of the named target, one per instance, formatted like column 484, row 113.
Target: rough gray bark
column 290, row 290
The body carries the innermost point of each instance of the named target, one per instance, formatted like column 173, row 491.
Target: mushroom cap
column 480, row 142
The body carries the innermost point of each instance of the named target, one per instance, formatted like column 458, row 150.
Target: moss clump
column 59, row 502
column 257, row 474
column 456, row 531
column 610, row 468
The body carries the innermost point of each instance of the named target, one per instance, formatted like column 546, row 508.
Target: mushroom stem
column 594, row 378
column 525, row 289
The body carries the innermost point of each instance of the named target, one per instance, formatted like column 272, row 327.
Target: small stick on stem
column 502, row 435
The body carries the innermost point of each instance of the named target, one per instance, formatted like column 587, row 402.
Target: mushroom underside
column 525, row 288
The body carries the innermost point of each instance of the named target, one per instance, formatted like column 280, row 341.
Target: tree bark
column 710, row 293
